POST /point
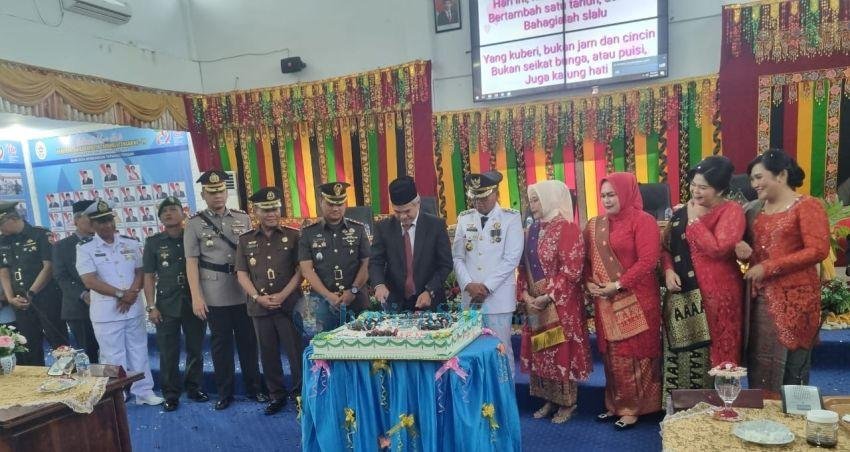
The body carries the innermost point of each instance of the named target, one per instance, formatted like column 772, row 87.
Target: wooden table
column 55, row 427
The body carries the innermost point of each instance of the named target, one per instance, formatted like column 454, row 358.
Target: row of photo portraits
column 117, row 196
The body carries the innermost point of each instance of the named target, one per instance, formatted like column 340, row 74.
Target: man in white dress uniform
column 110, row 266
column 487, row 248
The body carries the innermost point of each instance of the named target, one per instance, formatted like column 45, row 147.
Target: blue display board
column 13, row 178
column 132, row 169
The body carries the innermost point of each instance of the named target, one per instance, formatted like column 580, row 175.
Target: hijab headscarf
column 626, row 187
column 554, row 199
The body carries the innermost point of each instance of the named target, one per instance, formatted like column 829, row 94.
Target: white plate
column 769, row 433
column 58, row 384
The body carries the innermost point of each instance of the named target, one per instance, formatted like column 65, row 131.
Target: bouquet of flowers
column 11, row 341
column 63, row 350
column 728, row 369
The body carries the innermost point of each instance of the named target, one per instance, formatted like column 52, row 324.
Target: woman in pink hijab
column 624, row 246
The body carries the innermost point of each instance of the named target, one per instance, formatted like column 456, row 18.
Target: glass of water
column 727, row 388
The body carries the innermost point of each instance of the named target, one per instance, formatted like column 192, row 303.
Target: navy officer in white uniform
column 487, row 248
column 110, row 266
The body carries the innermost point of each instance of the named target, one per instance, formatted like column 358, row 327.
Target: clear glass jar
column 822, row 428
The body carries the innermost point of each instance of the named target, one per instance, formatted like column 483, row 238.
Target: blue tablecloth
column 447, row 413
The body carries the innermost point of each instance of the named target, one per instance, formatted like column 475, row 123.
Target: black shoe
column 620, row 425
column 260, row 397
column 293, row 394
column 198, row 396
column 170, row 404
column 275, row 406
column 605, row 417
column 222, row 404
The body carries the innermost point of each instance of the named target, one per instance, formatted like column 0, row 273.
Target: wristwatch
column 354, row 290
column 255, row 296
column 119, row 293
column 150, row 308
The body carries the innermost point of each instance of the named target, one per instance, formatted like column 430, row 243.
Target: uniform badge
column 469, row 245
column 496, row 233
column 165, row 264
column 319, row 256
column 209, row 242
column 252, row 262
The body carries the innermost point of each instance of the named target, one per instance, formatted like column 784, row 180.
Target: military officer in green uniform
column 267, row 268
column 169, row 307
column 26, row 273
column 334, row 254
column 210, row 244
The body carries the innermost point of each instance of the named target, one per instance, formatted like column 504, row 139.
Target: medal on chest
column 319, row 256
column 496, row 233
column 252, row 261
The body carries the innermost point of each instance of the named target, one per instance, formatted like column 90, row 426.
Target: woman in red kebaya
column 555, row 345
column 699, row 255
column 624, row 246
column 790, row 236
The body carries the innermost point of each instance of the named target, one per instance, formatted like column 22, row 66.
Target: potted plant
column 11, row 342
column 836, row 212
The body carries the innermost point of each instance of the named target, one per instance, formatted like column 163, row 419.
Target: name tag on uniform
column 99, row 254
column 252, row 245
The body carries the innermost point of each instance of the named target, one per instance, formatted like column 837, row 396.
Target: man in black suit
column 85, row 179
column 75, row 296
column 448, row 15
column 108, row 175
column 411, row 255
column 51, row 201
column 68, row 202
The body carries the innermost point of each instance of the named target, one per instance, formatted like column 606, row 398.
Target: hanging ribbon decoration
column 504, row 374
column 298, row 408
column 405, row 422
column 319, row 367
column 488, row 411
column 453, row 365
column 380, row 368
column 350, row 426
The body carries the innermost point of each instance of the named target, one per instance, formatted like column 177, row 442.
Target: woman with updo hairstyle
column 789, row 237
column 704, row 306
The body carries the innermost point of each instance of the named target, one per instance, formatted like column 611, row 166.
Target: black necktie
column 483, row 221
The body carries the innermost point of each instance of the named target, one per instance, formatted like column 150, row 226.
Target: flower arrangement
column 11, row 341
column 728, row 369
column 63, row 350
column 835, row 297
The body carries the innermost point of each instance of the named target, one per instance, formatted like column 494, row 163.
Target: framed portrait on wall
column 447, row 15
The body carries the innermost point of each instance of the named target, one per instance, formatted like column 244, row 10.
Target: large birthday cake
column 414, row 336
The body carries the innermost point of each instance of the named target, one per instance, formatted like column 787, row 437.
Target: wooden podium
column 55, row 427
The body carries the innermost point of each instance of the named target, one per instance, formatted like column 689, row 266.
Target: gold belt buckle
column 270, row 274
column 337, row 274
column 18, row 276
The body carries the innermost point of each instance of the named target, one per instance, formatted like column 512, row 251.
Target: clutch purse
column 622, row 318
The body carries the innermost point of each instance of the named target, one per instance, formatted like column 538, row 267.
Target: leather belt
column 221, row 268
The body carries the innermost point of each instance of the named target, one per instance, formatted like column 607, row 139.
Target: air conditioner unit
column 115, row 11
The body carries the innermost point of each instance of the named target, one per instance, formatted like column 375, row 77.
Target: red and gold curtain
column 763, row 42
column 357, row 129
column 808, row 114
column 658, row 132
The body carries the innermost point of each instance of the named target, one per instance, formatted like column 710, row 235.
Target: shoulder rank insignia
column 466, row 212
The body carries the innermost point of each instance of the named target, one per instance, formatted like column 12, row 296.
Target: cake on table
column 410, row 336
